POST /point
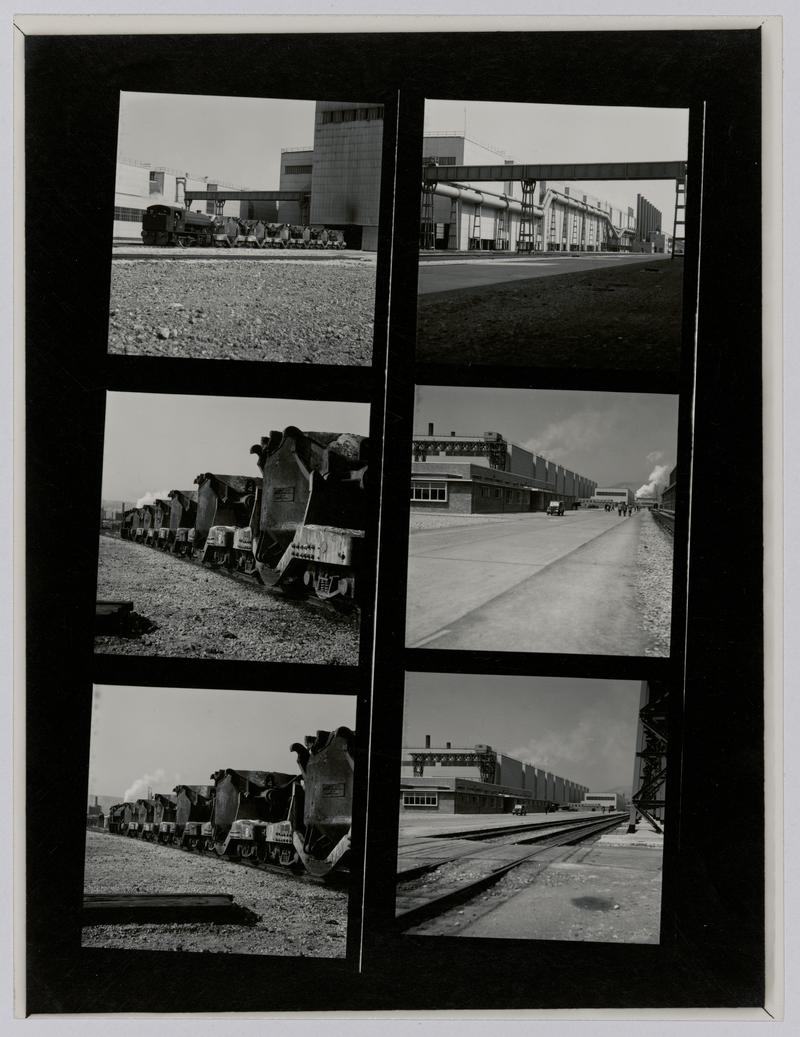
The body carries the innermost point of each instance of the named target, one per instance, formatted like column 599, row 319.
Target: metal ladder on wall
column 551, row 234
column 680, row 213
column 453, row 228
column 476, row 229
column 500, row 231
column 525, row 241
column 428, row 235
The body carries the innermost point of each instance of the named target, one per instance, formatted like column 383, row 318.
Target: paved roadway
column 532, row 584
column 447, row 275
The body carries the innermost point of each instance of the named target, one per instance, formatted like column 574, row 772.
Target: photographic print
column 531, row 808
column 208, row 811
column 245, row 228
column 542, row 521
column 384, row 347
column 552, row 235
column 230, row 532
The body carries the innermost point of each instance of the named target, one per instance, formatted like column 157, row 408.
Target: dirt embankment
column 203, row 614
column 624, row 318
column 300, row 312
column 294, row 916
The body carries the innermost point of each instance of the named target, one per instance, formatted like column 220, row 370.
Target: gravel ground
column 625, row 319
column 203, row 614
column 654, row 583
column 294, row 917
column 298, row 311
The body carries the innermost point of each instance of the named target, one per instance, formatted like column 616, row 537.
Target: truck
column 555, row 507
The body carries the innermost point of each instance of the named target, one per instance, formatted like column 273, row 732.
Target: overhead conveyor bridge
column 433, row 173
column 220, row 197
column 454, row 182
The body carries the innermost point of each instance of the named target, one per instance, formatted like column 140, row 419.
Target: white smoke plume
column 588, row 429
column 656, row 482
column 151, row 496
column 138, row 789
column 654, row 456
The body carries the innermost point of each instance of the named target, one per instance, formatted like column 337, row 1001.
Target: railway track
column 665, row 519
column 417, row 902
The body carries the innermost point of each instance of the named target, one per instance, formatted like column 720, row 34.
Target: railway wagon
column 159, row 519
column 115, row 818
column 302, row 822
column 130, row 523
column 249, row 810
column 310, row 528
column 167, row 223
column 192, row 811
column 227, row 517
column 182, row 518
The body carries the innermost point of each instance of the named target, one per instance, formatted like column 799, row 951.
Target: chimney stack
column 427, row 741
column 430, row 428
column 449, row 746
column 452, row 433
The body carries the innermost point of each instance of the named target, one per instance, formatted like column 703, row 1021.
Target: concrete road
column 605, row 894
column 447, row 275
column 535, row 584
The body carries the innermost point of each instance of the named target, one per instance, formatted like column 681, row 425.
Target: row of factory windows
column 429, row 491
column 297, row 170
column 414, row 799
column 128, row 215
column 353, row 115
column 439, row 160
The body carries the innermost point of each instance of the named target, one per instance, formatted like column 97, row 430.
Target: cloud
column 151, row 497
column 138, row 790
column 586, row 430
column 591, row 752
column 656, row 482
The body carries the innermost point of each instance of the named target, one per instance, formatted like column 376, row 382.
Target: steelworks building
column 486, row 474
column 335, row 182
column 479, row 780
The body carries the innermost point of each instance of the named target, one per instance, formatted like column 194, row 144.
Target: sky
column 237, row 140
column 157, row 442
column 607, row 437
column 583, row 730
column 530, row 133
column 162, row 737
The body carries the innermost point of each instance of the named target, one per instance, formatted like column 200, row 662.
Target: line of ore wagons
column 300, row 526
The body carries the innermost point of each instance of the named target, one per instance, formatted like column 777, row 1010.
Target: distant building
column 140, row 185
column 608, row 801
column 614, row 495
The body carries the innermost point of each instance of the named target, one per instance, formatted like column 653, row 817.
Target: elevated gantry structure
column 220, row 197
column 650, row 768
column 448, row 181
column 482, row 756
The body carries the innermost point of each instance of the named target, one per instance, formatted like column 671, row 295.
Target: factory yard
column 614, row 312
column 286, row 915
column 270, row 308
column 590, row 582
column 201, row 613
